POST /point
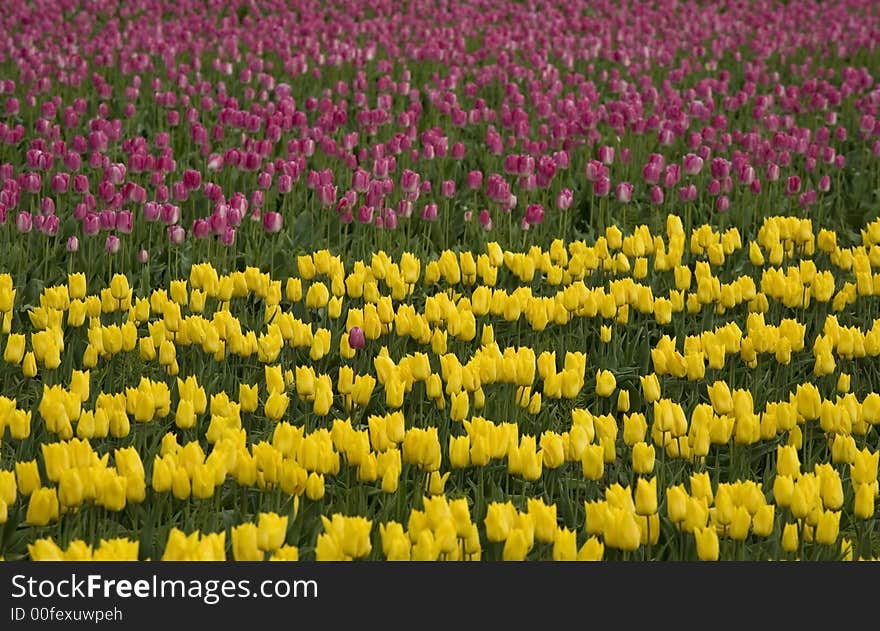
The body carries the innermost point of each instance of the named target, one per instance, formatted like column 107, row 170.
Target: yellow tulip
column 29, row 367
column 864, row 466
column 565, row 545
column 828, row 528
column 271, row 531
column 76, row 284
column 605, row 383
column 42, row 507
column 592, row 550
column 863, row 507
column 650, row 387
column 244, row 543
column 790, row 537
column 593, row 462
column 15, row 348
column 516, row 546
column 762, row 522
column 707, row 543
column 119, row 286
column 646, row 496
column 622, row 530
column 499, row 521
column 643, row 458
column 721, row 398
column 8, row 487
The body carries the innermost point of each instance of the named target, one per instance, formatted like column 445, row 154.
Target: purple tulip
column 356, row 338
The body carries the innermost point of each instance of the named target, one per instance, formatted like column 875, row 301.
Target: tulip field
column 459, row 280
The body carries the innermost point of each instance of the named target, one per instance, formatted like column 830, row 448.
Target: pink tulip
column 227, row 238
column 475, row 180
column 327, row 195
column 404, row 208
column 201, row 228
column 272, row 222
column 693, row 164
column 91, row 224
column 485, row 220
column 124, row 222
column 365, row 214
column 60, row 182
column 360, row 181
column 595, row 170
column 390, row 219
column 47, row 206
column 176, row 234
column 606, row 154
column 651, row 173
column 409, row 181
column 602, row 186
column 534, row 215
column 170, row 214
column 687, row 193
column 192, row 180
column 151, row 211
column 808, row 198
column 656, row 195
column 565, row 199
column 112, row 244
column 215, row 162
column 623, row 192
